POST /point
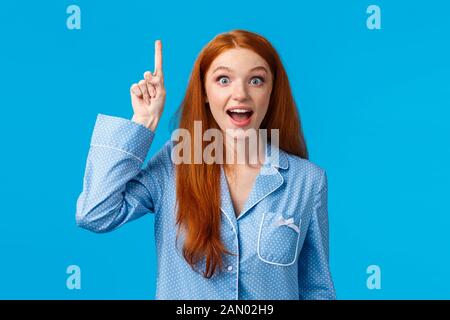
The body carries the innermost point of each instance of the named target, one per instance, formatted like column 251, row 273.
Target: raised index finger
column 158, row 58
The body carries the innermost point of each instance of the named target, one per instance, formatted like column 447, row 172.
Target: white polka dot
column 272, row 261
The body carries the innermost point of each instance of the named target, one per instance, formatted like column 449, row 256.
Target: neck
column 241, row 154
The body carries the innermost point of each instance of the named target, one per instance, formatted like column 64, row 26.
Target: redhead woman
column 224, row 229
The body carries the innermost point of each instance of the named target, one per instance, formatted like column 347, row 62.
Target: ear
column 206, row 99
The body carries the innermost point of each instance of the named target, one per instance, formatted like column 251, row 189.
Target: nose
column 239, row 91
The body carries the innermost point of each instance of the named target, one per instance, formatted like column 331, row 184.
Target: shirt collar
column 268, row 180
column 276, row 157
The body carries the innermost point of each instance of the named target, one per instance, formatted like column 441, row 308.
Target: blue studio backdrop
column 374, row 102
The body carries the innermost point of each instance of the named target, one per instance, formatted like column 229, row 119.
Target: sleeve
column 115, row 188
column 314, row 277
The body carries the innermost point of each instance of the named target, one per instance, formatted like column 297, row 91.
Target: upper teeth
column 240, row 110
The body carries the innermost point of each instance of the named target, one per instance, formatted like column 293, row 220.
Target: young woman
column 223, row 230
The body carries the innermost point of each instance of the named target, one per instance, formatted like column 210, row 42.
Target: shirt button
column 230, row 268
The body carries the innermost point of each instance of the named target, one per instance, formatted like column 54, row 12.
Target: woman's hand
column 149, row 95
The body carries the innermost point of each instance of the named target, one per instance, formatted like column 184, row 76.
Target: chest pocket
column 278, row 239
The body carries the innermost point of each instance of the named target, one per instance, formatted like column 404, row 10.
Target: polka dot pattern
column 280, row 239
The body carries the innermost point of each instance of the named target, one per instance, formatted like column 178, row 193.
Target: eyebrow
column 230, row 70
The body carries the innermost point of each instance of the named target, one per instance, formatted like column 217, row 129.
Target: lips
column 241, row 107
column 240, row 116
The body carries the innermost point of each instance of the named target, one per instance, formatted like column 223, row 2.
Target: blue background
column 374, row 106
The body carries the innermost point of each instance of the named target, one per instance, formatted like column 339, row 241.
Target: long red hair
column 198, row 185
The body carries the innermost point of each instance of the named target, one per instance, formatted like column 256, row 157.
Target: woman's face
column 238, row 86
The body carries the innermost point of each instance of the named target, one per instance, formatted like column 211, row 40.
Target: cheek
column 267, row 95
column 217, row 113
column 263, row 103
column 217, row 97
column 216, row 106
column 214, row 96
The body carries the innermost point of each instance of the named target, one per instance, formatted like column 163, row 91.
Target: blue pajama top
column 280, row 238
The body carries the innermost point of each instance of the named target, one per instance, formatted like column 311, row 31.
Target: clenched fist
column 149, row 95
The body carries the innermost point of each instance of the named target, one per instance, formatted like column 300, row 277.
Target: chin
column 241, row 133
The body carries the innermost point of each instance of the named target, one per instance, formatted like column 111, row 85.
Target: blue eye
column 261, row 79
column 221, row 77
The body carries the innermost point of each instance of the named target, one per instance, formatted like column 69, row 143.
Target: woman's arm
column 314, row 277
column 115, row 189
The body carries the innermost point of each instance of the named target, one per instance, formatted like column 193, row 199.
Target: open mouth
column 240, row 116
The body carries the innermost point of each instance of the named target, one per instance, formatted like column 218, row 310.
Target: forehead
column 238, row 59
